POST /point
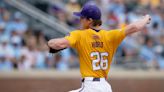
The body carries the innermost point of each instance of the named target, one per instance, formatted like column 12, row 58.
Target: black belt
column 94, row 79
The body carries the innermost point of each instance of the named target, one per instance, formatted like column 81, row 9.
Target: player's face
column 85, row 23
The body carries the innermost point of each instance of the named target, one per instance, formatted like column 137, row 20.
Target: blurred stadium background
column 26, row 26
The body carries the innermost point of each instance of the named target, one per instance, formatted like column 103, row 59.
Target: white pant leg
column 94, row 86
column 78, row 90
column 108, row 86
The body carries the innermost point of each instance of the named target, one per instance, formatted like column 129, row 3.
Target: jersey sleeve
column 73, row 38
column 117, row 36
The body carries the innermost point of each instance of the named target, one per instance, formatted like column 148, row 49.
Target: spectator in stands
column 2, row 30
column 55, row 60
column 29, row 54
column 16, row 45
column 147, row 53
column 72, row 6
column 5, row 18
column 156, row 24
column 112, row 20
column 117, row 6
column 28, row 34
column 41, row 60
column 2, row 10
column 17, row 24
column 62, row 17
column 130, row 47
column 159, row 49
column 63, row 64
column 16, row 37
column 6, row 53
column 42, row 50
column 4, row 63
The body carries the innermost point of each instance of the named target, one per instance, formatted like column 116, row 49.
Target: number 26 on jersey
column 99, row 60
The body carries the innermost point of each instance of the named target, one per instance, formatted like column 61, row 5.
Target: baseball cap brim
column 78, row 14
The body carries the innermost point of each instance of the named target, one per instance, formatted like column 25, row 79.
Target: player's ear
column 90, row 20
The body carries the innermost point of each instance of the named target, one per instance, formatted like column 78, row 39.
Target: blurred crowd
column 24, row 48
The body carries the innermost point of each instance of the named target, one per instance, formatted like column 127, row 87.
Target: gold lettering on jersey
column 97, row 44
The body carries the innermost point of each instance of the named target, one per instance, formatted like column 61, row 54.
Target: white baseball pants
column 94, row 86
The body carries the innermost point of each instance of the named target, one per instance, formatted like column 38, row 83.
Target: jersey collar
column 97, row 30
